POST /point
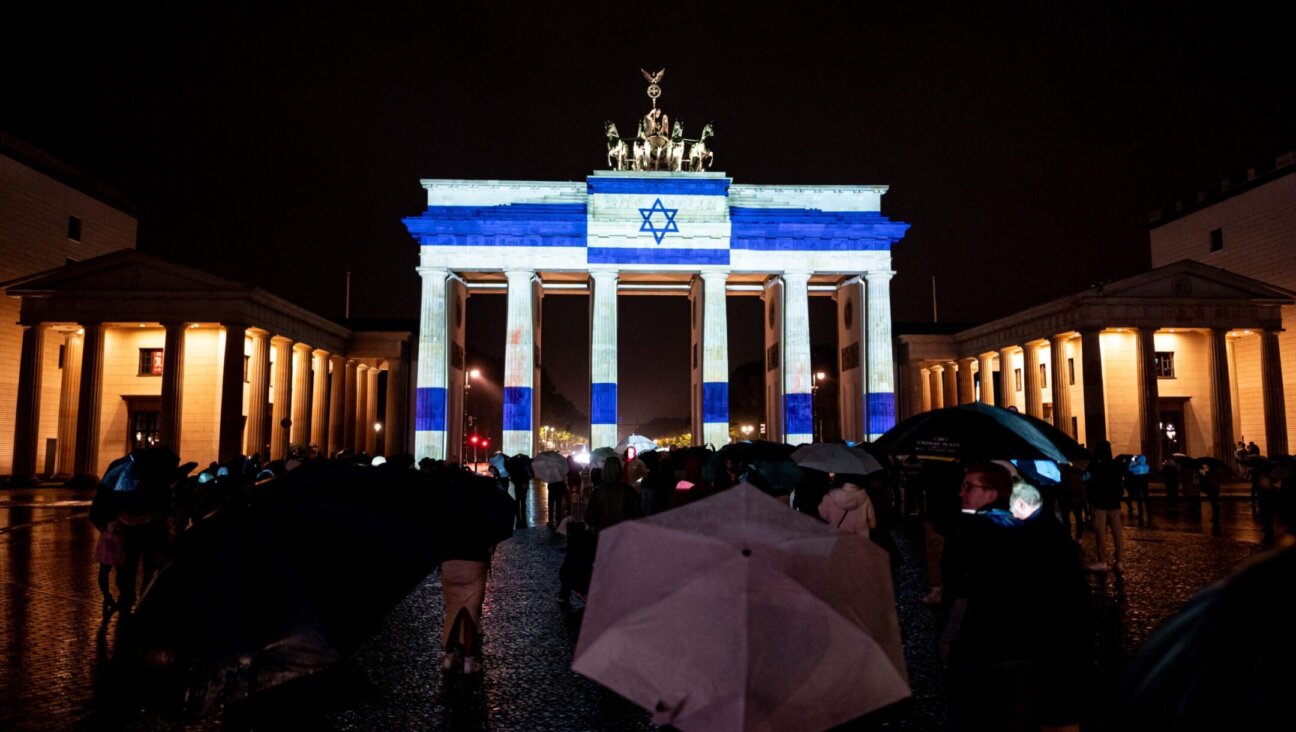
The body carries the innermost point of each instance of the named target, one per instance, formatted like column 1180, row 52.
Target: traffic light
column 473, row 439
column 485, row 441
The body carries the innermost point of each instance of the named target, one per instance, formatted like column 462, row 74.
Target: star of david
column 668, row 213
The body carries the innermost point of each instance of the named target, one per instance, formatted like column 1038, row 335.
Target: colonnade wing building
column 637, row 232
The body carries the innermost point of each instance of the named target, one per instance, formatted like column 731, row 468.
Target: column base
column 603, row 435
column 716, row 434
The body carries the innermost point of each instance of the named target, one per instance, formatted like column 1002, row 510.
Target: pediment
column 125, row 271
column 1189, row 280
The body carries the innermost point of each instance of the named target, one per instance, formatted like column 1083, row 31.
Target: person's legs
column 1114, row 524
column 109, row 604
column 935, row 544
column 1100, row 535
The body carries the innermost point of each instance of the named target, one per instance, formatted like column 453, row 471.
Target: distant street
column 55, row 646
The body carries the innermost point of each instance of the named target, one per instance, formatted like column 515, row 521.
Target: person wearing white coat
column 848, row 508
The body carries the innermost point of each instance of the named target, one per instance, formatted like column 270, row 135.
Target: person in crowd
column 1073, row 501
column 468, row 552
column 1252, row 449
column 1136, row 488
column 1104, row 489
column 520, row 475
column 1170, row 476
column 938, row 484
column 810, row 492
column 1210, row 478
column 612, row 501
column 557, row 492
column 847, row 507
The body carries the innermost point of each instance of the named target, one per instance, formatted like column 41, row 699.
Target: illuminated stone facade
column 1180, row 358
column 126, row 350
column 694, row 234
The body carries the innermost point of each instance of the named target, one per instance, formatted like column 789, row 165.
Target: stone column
column 169, row 421
column 1221, row 397
column 1006, row 394
column 1095, row 404
column 1149, row 397
column 950, row 375
column 360, row 432
column 299, row 434
column 432, row 379
column 1061, row 383
column 966, row 381
column 881, row 362
column 985, row 366
column 230, row 431
column 925, row 375
column 27, row 424
column 319, row 402
column 258, row 440
column 89, row 401
column 1031, row 380
column 714, row 346
column 371, row 412
column 281, row 414
column 351, row 386
column 798, row 401
column 519, row 365
column 1271, row 385
column 337, row 404
column 937, row 388
column 603, row 359
column 396, row 426
column 68, row 404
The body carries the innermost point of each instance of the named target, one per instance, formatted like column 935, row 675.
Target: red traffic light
column 473, row 439
column 485, row 442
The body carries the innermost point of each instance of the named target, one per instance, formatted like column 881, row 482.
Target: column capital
column 795, row 275
column 879, row 275
column 425, row 271
column 604, row 275
column 712, row 276
column 302, row 347
column 279, row 340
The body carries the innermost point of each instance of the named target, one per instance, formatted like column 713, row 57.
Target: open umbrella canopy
column 1230, row 643
column 638, row 442
column 549, row 466
column 980, row 432
column 291, row 574
column 834, row 457
column 746, row 452
column 736, row 613
column 600, row 454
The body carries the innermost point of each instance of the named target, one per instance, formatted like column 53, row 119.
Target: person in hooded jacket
column 1136, row 488
column 847, row 507
column 1104, row 488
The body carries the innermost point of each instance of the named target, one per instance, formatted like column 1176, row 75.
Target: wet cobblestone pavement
column 55, row 646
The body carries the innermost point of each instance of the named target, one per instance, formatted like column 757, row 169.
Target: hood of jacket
column 848, row 499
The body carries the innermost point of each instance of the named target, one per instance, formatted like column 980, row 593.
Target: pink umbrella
column 736, row 613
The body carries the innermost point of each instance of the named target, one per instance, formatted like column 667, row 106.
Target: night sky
column 1025, row 145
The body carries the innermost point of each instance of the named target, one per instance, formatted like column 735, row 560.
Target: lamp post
column 469, row 376
column 814, row 393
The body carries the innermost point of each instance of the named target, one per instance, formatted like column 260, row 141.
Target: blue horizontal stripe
column 430, row 409
column 638, row 255
column 603, row 403
column 798, row 414
column 517, row 408
column 530, row 225
column 880, row 408
column 782, row 229
column 659, row 186
column 715, row 401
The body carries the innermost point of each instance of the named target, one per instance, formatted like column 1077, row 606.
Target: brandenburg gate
column 658, row 222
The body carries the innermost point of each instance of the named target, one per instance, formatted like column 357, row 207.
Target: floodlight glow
column 582, row 457
column 475, row 374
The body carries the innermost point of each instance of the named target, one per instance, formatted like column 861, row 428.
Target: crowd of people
column 1003, row 552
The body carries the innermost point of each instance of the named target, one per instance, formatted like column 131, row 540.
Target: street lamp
column 469, row 376
column 814, row 392
column 746, row 430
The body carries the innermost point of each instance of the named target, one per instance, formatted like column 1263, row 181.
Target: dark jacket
column 1104, row 485
column 610, row 504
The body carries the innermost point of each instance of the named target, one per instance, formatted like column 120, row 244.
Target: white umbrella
column 549, row 466
column 834, row 457
column 638, row 442
column 736, row 613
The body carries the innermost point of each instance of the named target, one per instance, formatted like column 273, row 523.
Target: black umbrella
column 980, row 432
column 1224, row 662
column 290, row 575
